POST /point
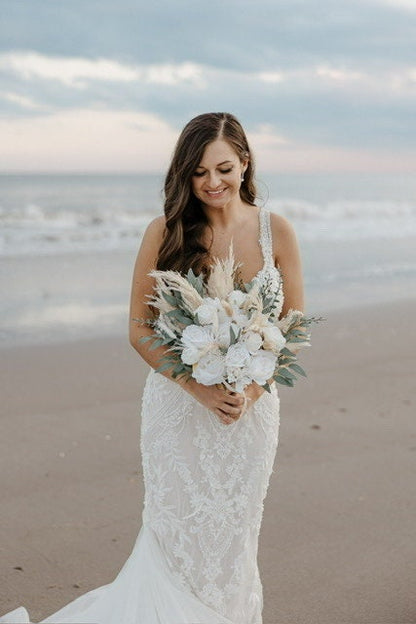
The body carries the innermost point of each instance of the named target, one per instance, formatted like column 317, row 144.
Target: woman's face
column 217, row 179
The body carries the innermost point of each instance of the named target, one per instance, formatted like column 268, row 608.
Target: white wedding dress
column 195, row 558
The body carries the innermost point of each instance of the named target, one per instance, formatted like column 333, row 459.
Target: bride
column 207, row 452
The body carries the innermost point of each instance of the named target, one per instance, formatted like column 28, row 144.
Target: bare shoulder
column 281, row 227
column 156, row 227
column 153, row 235
column 150, row 245
column 283, row 234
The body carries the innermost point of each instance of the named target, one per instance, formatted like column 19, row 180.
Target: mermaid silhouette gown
column 195, row 558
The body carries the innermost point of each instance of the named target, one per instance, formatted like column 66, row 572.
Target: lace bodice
column 269, row 274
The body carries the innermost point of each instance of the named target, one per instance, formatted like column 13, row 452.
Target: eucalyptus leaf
column 283, row 381
column 181, row 318
column 287, row 352
column 196, row 282
column 297, row 340
column 284, row 372
column 164, row 367
column 157, row 343
column 298, row 369
column 297, row 333
column 171, row 299
column 145, row 339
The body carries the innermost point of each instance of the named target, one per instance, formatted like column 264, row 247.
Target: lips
column 215, row 193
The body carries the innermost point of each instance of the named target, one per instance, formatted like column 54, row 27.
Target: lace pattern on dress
column 205, row 482
column 269, row 274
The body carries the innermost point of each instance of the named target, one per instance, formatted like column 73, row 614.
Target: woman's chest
column 246, row 248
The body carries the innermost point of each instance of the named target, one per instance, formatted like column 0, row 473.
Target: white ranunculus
column 253, row 341
column 237, row 355
column 273, row 338
column 208, row 311
column 210, row 369
column 190, row 355
column 261, row 366
column 197, row 337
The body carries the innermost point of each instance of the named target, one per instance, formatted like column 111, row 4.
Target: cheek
column 194, row 186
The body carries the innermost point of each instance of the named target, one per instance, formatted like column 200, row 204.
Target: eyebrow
column 219, row 164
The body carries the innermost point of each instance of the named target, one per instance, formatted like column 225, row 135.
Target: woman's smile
column 217, row 193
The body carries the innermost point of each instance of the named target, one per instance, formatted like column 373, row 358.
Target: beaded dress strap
column 265, row 240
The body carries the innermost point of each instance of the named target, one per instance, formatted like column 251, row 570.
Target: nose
column 214, row 179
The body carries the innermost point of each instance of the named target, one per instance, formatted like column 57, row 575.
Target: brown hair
column 182, row 246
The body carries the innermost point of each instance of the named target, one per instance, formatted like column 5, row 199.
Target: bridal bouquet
column 222, row 331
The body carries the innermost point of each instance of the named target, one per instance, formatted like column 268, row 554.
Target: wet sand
column 338, row 542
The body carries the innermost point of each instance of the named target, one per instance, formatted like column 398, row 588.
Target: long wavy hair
column 182, row 247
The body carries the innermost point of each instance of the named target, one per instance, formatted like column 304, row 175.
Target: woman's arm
column 216, row 399
column 287, row 257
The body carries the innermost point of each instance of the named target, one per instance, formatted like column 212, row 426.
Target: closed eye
column 199, row 174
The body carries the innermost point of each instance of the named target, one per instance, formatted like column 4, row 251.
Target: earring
column 242, row 177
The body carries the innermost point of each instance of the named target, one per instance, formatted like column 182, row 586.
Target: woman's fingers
column 224, row 418
column 230, row 405
column 228, row 414
column 232, row 398
column 235, row 399
column 231, row 409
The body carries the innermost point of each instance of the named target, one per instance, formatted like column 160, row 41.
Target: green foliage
column 197, row 282
column 179, row 316
column 298, row 369
column 283, row 380
column 234, row 337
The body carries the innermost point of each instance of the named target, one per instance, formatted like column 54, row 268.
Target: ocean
column 68, row 244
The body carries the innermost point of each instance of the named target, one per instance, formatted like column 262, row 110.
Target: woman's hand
column 227, row 405
column 252, row 392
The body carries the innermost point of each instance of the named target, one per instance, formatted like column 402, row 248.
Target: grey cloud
column 238, row 38
column 235, row 34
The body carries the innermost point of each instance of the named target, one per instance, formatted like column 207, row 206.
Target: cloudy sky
column 99, row 85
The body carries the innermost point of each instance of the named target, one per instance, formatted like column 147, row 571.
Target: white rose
column 253, row 341
column 223, row 334
column 190, row 355
column 240, row 318
column 210, row 369
column 273, row 338
column 197, row 337
column 237, row 355
column 261, row 366
column 237, row 298
column 208, row 311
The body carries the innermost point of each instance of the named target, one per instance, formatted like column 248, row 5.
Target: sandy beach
column 338, row 543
